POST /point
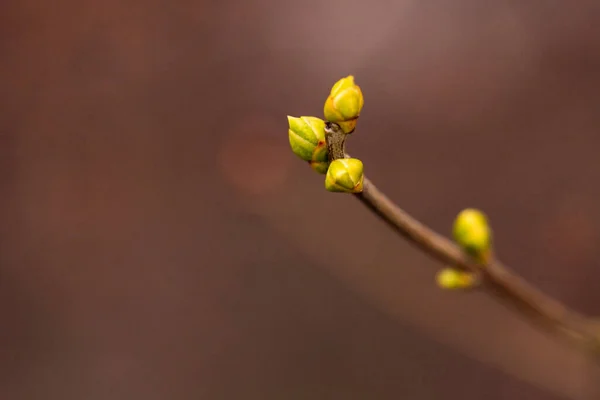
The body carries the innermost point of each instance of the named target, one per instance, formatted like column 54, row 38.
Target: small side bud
column 344, row 104
column 454, row 279
column 307, row 140
column 345, row 175
column 472, row 232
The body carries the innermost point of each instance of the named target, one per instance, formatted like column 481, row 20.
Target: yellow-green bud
column 472, row 232
column 307, row 139
column 452, row 279
column 345, row 175
column 344, row 104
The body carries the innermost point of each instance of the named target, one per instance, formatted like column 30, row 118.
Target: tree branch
column 498, row 279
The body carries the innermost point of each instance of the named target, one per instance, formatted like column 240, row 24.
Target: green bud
column 452, row 279
column 472, row 232
column 344, row 104
column 345, row 175
column 307, row 140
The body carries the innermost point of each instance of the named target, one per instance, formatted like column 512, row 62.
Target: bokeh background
column 158, row 240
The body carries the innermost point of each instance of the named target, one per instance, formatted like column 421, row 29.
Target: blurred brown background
column 158, row 240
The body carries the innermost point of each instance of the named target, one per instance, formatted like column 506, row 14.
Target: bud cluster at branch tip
column 307, row 140
column 472, row 232
column 344, row 104
column 345, row 175
column 453, row 279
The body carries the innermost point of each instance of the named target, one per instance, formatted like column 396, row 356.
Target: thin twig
column 497, row 278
